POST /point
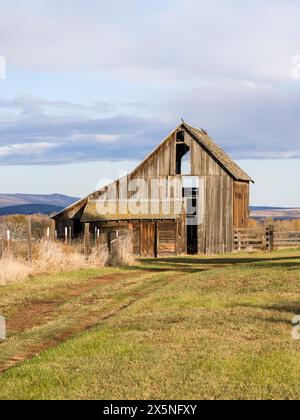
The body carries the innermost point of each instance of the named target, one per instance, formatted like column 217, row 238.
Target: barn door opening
column 191, row 222
column 191, row 194
column 77, row 228
column 192, row 240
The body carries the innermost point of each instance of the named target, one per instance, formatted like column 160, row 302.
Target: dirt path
column 37, row 312
column 40, row 312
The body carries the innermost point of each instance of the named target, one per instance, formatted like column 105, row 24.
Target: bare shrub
column 99, row 255
column 121, row 252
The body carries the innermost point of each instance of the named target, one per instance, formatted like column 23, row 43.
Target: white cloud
column 222, row 64
column 98, row 138
column 186, row 38
column 25, row 150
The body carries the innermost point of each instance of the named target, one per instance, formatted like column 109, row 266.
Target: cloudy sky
column 92, row 86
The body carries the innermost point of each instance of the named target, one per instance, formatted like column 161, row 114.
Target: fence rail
column 265, row 239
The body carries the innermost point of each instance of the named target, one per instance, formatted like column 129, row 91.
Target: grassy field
column 182, row 328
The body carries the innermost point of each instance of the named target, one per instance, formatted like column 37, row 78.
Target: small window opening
column 180, row 137
column 183, row 161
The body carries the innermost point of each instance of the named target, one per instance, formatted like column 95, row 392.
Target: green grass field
column 181, row 328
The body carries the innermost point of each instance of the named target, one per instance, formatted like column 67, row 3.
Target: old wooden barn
column 187, row 197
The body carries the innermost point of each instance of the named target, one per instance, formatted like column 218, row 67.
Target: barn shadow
column 292, row 308
column 190, row 264
column 151, row 266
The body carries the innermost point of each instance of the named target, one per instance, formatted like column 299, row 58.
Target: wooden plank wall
column 216, row 234
column 240, row 204
column 161, row 162
column 166, row 234
column 167, row 238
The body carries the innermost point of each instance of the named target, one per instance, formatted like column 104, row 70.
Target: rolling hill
column 33, row 203
column 276, row 213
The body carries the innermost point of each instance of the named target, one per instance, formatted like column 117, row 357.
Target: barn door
column 148, row 239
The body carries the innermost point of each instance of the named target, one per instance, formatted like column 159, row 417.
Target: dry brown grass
column 282, row 225
column 50, row 257
column 55, row 257
column 13, row 269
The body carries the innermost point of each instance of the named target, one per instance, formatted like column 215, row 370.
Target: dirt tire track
column 37, row 312
column 74, row 330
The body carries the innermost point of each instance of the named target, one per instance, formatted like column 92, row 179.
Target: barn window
column 183, row 161
column 180, row 137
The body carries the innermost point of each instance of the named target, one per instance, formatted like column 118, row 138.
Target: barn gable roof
column 202, row 138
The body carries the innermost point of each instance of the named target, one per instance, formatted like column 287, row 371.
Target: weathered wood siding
column 216, row 234
column 222, row 202
column 162, row 162
column 240, row 204
column 167, row 238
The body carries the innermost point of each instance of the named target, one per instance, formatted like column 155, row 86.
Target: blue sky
column 93, row 86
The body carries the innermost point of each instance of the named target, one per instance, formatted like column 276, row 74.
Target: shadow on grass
column 292, row 308
column 185, row 263
column 151, row 268
column 220, row 260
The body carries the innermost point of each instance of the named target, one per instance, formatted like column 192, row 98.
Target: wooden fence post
column 271, row 238
column 8, row 241
column 53, row 235
column 130, row 232
column 86, row 239
column 29, row 240
column 109, row 247
column 96, row 235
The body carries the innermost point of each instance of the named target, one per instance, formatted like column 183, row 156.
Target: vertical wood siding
column 224, row 201
column 241, row 204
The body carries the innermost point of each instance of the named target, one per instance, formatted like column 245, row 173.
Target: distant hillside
column 276, row 213
column 28, row 209
column 33, row 203
column 7, row 200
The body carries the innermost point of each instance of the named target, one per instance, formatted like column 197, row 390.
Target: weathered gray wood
column 225, row 200
column 87, row 238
